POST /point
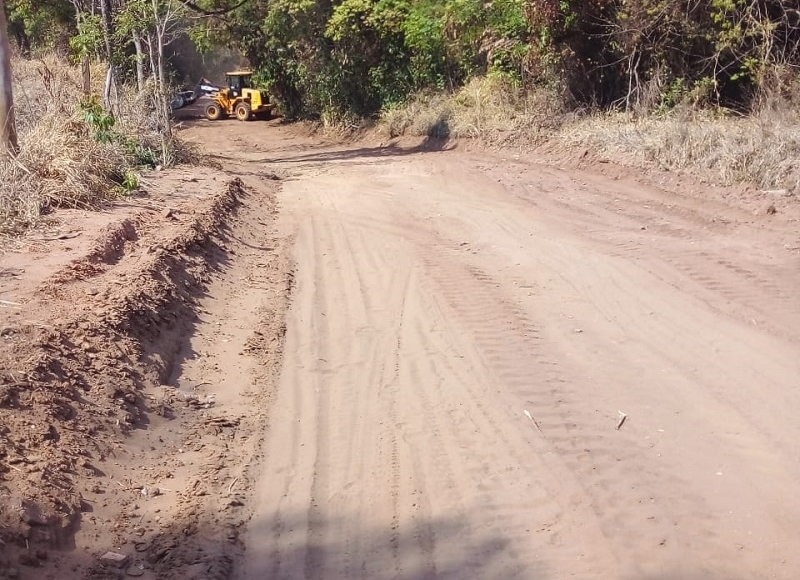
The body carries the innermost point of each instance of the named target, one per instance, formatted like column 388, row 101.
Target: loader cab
column 237, row 81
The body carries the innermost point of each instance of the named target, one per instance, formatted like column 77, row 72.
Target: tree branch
column 192, row 6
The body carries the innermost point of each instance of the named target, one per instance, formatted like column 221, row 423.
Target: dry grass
column 61, row 163
column 762, row 149
column 58, row 165
column 490, row 109
column 137, row 122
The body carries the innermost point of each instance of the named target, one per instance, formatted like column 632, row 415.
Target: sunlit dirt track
column 495, row 368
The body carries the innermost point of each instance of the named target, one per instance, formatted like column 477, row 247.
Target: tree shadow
column 336, row 548
column 346, row 547
column 428, row 145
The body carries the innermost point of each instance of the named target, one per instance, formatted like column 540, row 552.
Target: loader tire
column 214, row 112
column 243, row 112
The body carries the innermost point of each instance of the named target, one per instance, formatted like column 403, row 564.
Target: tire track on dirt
column 748, row 296
column 588, row 448
column 353, row 302
column 454, row 302
column 316, row 553
column 475, row 423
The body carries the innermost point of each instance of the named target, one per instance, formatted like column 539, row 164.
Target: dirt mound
column 75, row 361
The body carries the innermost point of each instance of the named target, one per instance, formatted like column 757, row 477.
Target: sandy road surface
column 463, row 333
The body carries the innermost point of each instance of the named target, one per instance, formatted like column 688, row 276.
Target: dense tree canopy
column 353, row 57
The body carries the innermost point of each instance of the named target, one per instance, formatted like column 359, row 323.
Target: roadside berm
column 110, row 461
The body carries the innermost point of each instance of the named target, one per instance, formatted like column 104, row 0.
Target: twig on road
column 529, row 416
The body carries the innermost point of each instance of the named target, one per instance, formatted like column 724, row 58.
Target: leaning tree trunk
column 151, row 53
column 8, row 127
column 140, row 74
column 162, row 102
column 107, row 16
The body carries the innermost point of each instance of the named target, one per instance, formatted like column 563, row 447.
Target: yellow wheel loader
column 239, row 98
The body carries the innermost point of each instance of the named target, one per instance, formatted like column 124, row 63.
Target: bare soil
column 404, row 360
column 115, row 420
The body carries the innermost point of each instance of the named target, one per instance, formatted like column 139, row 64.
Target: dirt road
column 464, row 335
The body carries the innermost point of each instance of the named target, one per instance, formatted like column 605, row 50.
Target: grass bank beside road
column 761, row 149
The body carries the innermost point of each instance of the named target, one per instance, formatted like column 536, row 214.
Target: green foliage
column 100, row 122
column 134, row 15
column 141, row 154
column 39, row 23
column 335, row 59
column 88, row 39
column 130, row 182
column 674, row 94
column 354, row 57
column 103, row 128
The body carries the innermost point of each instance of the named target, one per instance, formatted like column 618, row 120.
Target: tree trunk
column 86, row 74
column 151, row 43
column 8, row 127
column 108, row 28
column 107, row 16
column 162, row 72
column 140, row 76
column 21, row 36
column 162, row 99
column 108, row 84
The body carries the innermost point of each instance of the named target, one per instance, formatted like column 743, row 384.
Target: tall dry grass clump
column 762, row 149
column 143, row 134
column 72, row 154
column 490, row 108
column 59, row 163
